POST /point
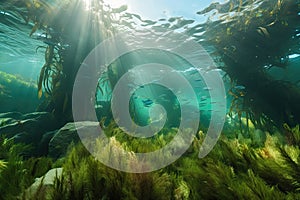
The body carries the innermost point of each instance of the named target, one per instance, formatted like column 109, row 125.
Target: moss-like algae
column 233, row 170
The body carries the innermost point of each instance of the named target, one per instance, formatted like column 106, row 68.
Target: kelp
column 250, row 37
column 66, row 43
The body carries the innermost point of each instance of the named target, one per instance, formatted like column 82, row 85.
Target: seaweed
column 239, row 168
column 64, row 53
column 18, row 173
column 249, row 38
column 235, row 168
column 14, row 86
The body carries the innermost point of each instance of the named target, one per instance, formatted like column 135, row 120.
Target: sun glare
column 87, row 3
column 116, row 3
column 111, row 3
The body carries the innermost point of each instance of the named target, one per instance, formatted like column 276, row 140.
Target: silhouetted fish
column 147, row 103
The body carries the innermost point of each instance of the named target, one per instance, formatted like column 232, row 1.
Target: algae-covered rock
column 66, row 135
column 32, row 123
column 62, row 139
column 43, row 146
column 14, row 115
column 28, row 128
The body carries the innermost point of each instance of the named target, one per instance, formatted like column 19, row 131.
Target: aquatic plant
column 237, row 170
column 292, row 134
column 64, row 52
column 16, row 174
column 14, row 86
column 249, row 37
column 2, row 164
column 86, row 178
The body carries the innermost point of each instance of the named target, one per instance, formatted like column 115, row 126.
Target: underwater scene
column 129, row 99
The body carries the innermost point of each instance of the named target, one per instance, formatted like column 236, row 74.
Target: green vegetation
column 66, row 44
column 11, row 88
column 233, row 170
column 17, row 173
column 250, row 37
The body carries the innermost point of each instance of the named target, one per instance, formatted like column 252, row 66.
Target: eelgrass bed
column 235, row 169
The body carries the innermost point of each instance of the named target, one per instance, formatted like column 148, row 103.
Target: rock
column 5, row 121
column 9, row 118
column 43, row 147
column 66, row 135
column 12, row 129
column 27, row 128
column 48, row 178
column 14, row 115
column 62, row 139
column 43, row 184
column 33, row 122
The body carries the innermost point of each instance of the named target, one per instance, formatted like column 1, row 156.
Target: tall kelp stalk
column 250, row 37
column 69, row 30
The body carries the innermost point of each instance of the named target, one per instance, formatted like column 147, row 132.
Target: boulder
column 43, row 185
column 13, row 123
column 43, row 146
column 61, row 140
column 13, row 115
column 58, row 145
column 27, row 128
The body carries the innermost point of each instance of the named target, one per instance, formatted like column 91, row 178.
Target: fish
column 263, row 31
column 162, row 96
column 203, row 98
column 147, row 102
column 240, row 87
column 194, row 72
column 207, row 88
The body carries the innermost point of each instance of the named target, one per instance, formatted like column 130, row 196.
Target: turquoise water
column 18, row 50
column 23, row 55
column 202, row 95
